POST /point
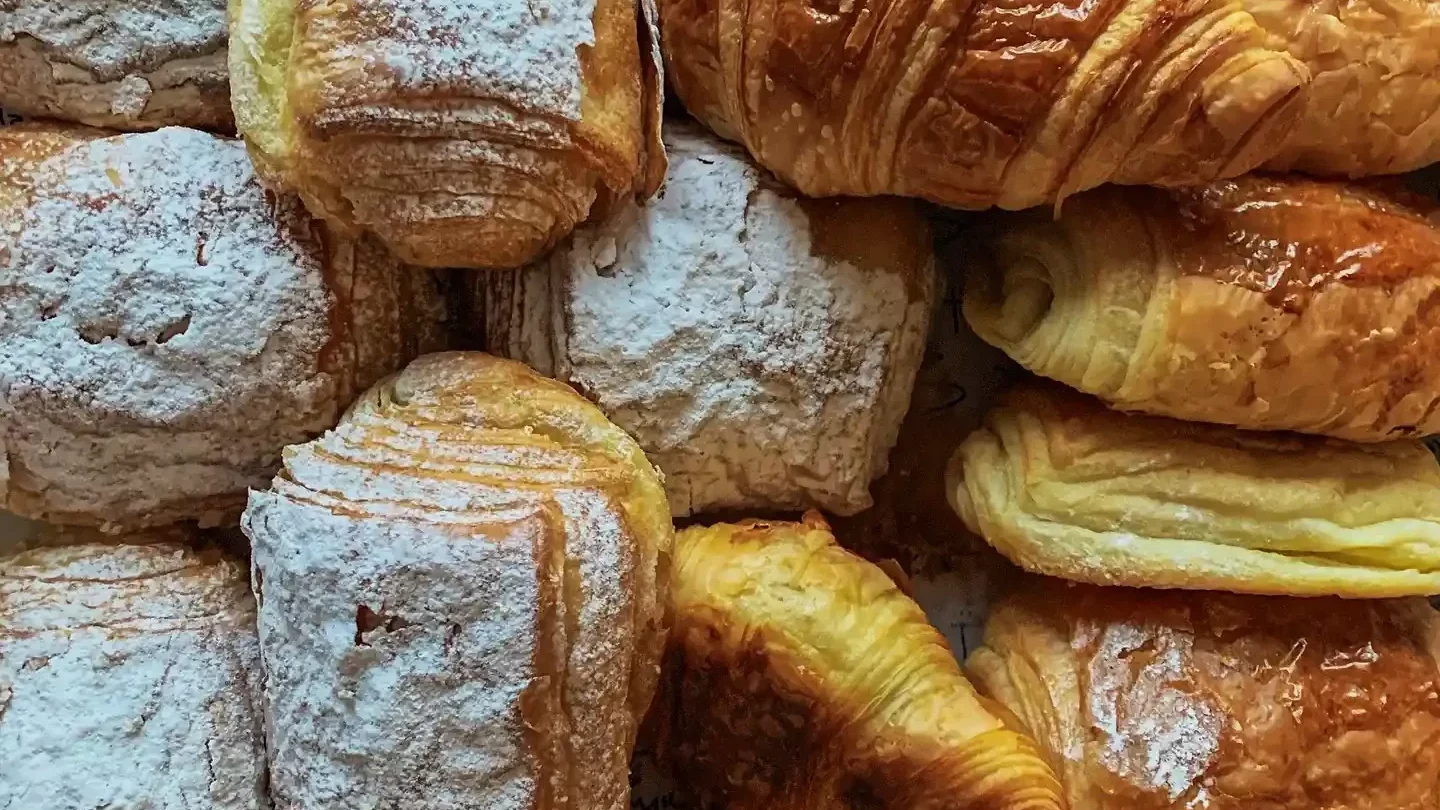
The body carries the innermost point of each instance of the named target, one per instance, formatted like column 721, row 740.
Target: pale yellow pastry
column 800, row 677
column 1063, row 486
column 1273, row 303
column 464, row 133
column 1159, row 700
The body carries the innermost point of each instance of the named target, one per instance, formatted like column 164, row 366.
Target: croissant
column 129, row 677
column 1168, row 700
column 799, row 676
column 167, row 326
column 979, row 104
column 1063, row 486
column 1268, row 303
column 1374, row 105
column 461, row 594
column 110, row 63
column 774, row 343
column 468, row 133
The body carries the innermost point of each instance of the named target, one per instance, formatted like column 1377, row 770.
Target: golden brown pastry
column 800, row 677
column 461, row 594
column 466, row 133
column 1063, row 486
column 167, row 326
column 116, row 63
column 1264, row 302
column 1167, row 700
column 986, row 103
column 1374, row 105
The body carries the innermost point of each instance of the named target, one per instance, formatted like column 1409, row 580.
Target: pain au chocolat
column 1271, row 303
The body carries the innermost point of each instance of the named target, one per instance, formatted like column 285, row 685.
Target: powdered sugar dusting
column 128, row 678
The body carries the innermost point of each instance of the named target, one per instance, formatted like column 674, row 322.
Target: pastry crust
column 129, row 677
column 1265, row 302
column 1063, row 486
column 1374, row 105
column 464, row 133
column 116, row 63
column 988, row 103
column 761, row 348
column 167, row 326
column 461, row 592
column 799, row 676
column 1166, row 700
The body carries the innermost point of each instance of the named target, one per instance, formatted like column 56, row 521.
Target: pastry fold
column 1271, row 303
column 800, row 676
column 1063, row 486
column 1172, row 700
column 976, row 104
column 461, row 597
column 464, row 133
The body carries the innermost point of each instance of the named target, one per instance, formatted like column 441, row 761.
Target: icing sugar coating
column 761, row 348
column 128, row 678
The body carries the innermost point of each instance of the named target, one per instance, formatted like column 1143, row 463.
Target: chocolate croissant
column 1064, row 486
column 167, row 326
column 1168, row 700
column 467, row 133
column 985, row 103
column 461, row 594
column 799, row 676
column 1264, row 302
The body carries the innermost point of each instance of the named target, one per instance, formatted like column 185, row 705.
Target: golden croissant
column 1173, row 700
column 467, row 133
column 800, row 676
column 1063, row 486
column 978, row 104
column 1269, row 303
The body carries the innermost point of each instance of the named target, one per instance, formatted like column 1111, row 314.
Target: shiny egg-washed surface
column 1208, row 701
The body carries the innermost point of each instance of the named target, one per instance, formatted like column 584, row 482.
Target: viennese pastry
column 465, row 133
column 115, row 63
column 978, row 104
column 461, row 594
column 1374, row 104
column 1264, row 302
column 129, row 677
column 167, row 326
column 1063, row 486
column 761, row 348
column 1173, row 700
column 800, row 676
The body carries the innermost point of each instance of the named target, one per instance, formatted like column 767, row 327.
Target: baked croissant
column 1063, row 486
column 801, row 677
column 461, row 594
column 465, row 133
column 769, row 343
column 1167, row 700
column 1374, row 105
column 167, row 326
column 1263, row 302
column 978, row 104
column 112, row 63
column 129, row 677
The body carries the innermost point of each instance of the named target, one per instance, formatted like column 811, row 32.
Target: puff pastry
column 461, row 597
column 116, row 63
column 167, row 326
column 1063, row 486
column 761, row 348
column 1265, row 302
column 129, row 677
column 465, row 133
column 1160, row 700
column 988, row 103
column 799, row 676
